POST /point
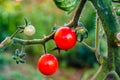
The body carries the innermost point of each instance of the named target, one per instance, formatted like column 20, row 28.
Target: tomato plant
column 65, row 38
column 47, row 64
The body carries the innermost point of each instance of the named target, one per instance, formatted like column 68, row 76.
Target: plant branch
column 89, row 47
column 97, row 40
column 77, row 14
column 112, row 75
column 44, row 47
column 15, row 33
column 34, row 41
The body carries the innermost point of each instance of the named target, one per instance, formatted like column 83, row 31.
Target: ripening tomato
column 47, row 64
column 65, row 38
column 29, row 30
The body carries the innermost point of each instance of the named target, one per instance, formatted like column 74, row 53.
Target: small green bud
column 17, row 52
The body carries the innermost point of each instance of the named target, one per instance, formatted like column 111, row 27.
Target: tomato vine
column 109, row 65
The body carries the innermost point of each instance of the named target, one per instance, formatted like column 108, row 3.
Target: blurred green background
column 79, row 63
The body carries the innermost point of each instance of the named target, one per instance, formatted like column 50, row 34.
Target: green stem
column 89, row 47
column 34, row 41
column 106, row 16
column 44, row 47
column 74, row 21
column 111, row 28
column 112, row 76
column 97, row 40
column 23, row 48
column 18, row 29
column 101, row 73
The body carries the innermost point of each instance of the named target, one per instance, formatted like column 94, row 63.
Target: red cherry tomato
column 65, row 38
column 47, row 64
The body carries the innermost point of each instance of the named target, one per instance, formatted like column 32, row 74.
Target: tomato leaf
column 67, row 5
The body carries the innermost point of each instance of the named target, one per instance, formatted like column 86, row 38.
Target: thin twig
column 44, row 47
column 18, row 29
column 34, row 41
column 86, row 45
column 97, row 40
column 76, row 17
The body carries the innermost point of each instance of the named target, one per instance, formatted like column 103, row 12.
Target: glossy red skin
column 47, row 64
column 65, row 38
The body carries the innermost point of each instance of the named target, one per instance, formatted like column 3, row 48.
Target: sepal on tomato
column 82, row 33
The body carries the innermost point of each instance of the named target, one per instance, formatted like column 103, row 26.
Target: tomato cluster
column 65, row 39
